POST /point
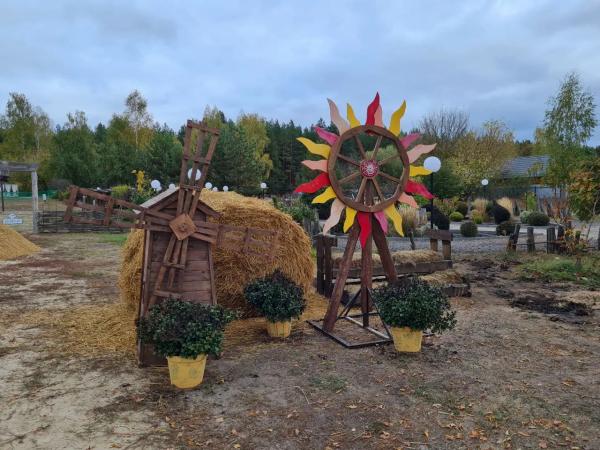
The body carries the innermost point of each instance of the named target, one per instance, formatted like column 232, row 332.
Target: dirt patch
column 549, row 304
column 504, row 378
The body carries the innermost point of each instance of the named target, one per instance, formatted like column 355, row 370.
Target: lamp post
column 263, row 186
column 3, row 179
column 433, row 164
column 484, row 183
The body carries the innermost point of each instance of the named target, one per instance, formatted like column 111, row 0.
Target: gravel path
column 483, row 244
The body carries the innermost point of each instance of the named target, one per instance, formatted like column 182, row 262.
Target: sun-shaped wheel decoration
column 367, row 183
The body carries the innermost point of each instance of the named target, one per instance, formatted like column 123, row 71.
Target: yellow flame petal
column 417, row 171
column 395, row 119
column 396, row 218
column 327, row 195
column 351, row 116
column 316, row 149
column 349, row 220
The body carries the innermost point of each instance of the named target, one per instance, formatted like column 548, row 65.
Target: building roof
column 525, row 166
column 168, row 197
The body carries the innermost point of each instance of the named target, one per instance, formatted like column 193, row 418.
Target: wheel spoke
column 388, row 159
column 378, row 189
column 361, row 149
column 361, row 190
column 376, row 148
column 389, row 177
column 348, row 160
column 350, row 177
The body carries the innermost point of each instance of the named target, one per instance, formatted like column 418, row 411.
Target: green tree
column 117, row 155
column 571, row 119
column 140, row 120
column 256, row 132
column 161, row 158
column 73, row 153
column 234, row 163
column 482, row 155
column 584, row 190
column 26, row 130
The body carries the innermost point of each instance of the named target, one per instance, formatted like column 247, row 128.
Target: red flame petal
column 371, row 109
column 313, row 186
column 364, row 220
column 413, row 187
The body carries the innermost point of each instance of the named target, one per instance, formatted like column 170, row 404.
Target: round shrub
column 468, row 229
column 179, row 328
column 415, row 304
column 505, row 228
column 462, row 207
column 477, row 217
column 524, row 216
column 456, row 216
column 276, row 297
column 500, row 213
column 538, row 219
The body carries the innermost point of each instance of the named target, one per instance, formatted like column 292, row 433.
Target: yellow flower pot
column 186, row 373
column 406, row 339
column 279, row 329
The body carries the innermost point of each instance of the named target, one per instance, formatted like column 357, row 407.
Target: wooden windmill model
column 178, row 241
column 367, row 185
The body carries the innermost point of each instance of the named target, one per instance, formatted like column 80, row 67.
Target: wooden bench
column 327, row 272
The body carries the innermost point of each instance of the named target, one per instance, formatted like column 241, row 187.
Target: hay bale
column 233, row 270
column 416, row 256
column 130, row 275
column 14, row 245
column 356, row 259
column 444, row 277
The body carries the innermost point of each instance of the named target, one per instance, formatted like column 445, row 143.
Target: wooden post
column 550, row 238
column 513, row 239
column 340, row 281
column 319, row 238
column 530, row 240
column 328, row 242
column 366, row 278
column 433, row 244
column 34, row 200
column 447, row 249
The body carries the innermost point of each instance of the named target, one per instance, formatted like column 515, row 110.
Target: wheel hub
column 369, row 168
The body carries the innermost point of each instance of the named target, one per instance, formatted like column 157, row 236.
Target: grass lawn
column 112, row 238
column 563, row 268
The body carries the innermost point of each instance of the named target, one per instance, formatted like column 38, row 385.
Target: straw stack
column 13, row 245
column 233, row 270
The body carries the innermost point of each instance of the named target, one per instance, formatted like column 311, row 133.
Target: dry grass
column 479, row 205
column 110, row 328
column 14, row 245
column 507, row 203
column 399, row 257
column 444, row 277
column 234, row 270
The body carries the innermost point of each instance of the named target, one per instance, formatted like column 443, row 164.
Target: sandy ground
column 506, row 377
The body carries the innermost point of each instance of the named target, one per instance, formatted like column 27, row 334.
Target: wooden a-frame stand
column 326, row 326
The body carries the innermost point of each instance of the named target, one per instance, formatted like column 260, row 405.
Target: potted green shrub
column 185, row 333
column 278, row 299
column 411, row 307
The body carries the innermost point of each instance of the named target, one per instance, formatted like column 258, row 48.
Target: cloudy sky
column 495, row 60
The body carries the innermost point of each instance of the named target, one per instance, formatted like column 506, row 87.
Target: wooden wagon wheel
column 368, row 169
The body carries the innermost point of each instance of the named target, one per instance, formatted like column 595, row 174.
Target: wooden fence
column 53, row 222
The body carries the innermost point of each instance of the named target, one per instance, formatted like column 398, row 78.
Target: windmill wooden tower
column 178, row 241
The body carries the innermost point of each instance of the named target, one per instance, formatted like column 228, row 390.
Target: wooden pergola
column 12, row 167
